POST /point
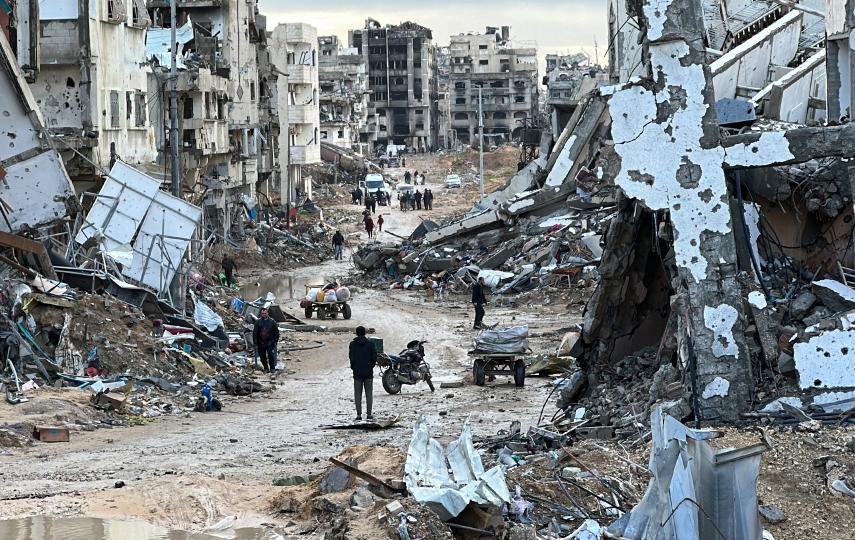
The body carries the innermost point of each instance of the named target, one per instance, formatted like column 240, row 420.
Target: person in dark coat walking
column 369, row 225
column 428, row 197
column 380, row 222
column 359, row 195
column 338, row 245
column 229, row 268
column 265, row 334
column 373, row 204
column 479, row 299
column 412, row 199
column 407, row 177
column 363, row 358
column 418, row 200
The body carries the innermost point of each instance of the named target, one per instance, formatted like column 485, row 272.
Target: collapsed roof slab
column 470, row 224
column 789, row 98
column 34, row 187
column 748, row 64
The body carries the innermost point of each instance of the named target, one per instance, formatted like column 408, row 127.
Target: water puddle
column 283, row 287
column 59, row 528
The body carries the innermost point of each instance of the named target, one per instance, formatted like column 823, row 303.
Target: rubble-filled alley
column 622, row 309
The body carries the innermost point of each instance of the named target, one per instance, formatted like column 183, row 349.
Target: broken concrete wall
column 799, row 96
column 748, row 65
column 35, row 188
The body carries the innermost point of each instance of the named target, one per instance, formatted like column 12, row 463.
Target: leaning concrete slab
column 35, row 187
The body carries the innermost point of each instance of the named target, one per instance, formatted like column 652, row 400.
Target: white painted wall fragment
column 718, row 387
column 757, row 299
column 721, row 320
column 562, row 165
column 826, row 360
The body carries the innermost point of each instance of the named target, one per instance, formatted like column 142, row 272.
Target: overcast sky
column 558, row 26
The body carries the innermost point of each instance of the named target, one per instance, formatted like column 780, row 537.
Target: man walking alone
column 338, row 245
column 363, row 358
column 265, row 334
column 478, row 299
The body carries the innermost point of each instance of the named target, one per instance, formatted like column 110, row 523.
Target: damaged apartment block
column 682, row 259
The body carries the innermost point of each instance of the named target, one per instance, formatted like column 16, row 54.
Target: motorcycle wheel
column 430, row 384
column 391, row 384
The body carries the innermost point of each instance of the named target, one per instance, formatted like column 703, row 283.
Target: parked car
column 452, row 181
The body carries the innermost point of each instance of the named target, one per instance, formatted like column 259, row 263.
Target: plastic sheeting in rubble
column 690, row 475
column 428, row 480
column 508, row 341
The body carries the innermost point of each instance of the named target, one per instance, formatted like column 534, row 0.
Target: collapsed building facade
column 343, row 76
column 724, row 259
column 504, row 74
column 402, row 82
column 568, row 79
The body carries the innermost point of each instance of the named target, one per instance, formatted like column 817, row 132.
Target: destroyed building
column 343, row 76
column 568, row 79
column 401, row 62
column 94, row 95
column 504, row 74
column 294, row 50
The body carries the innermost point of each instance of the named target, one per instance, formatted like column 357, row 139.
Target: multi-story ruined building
column 343, row 76
column 85, row 62
column 504, row 73
column 568, row 80
column 402, row 80
column 221, row 101
column 294, row 51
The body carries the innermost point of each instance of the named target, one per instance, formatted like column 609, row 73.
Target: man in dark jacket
column 428, row 197
column 229, row 269
column 338, row 245
column 363, row 358
column 418, row 200
column 265, row 334
column 479, row 300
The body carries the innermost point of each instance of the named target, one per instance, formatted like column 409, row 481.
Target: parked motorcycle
column 408, row 367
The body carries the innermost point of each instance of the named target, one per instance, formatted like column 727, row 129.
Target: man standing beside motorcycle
column 363, row 358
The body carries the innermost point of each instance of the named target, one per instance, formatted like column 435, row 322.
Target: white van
column 374, row 183
column 452, row 181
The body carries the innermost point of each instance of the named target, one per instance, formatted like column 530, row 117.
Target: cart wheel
column 519, row 373
column 478, row 374
column 391, row 384
column 322, row 312
column 345, row 310
column 308, row 312
column 430, row 384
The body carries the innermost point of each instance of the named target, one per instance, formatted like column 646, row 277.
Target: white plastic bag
column 312, row 295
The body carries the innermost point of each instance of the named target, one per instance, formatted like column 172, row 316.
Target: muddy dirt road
column 187, row 472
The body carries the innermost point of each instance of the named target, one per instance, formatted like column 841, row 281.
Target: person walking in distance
column 380, row 222
column 428, row 198
column 363, row 358
column 373, row 204
column 229, row 270
column 338, row 245
column 407, row 177
column 369, row 225
column 418, row 200
column 479, row 299
column 265, row 334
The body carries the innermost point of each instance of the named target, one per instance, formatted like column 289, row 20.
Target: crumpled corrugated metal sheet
column 697, row 492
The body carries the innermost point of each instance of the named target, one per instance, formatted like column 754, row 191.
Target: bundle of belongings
column 328, row 294
column 508, row 341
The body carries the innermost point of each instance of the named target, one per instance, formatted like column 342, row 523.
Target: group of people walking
column 415, row 177
column 415, row 200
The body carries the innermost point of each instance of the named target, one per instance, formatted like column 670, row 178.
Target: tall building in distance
column 343, row 76
column 505, row 74
column 402, row 83
column 569, row 78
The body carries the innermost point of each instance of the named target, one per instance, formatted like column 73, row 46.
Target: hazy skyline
column 572, row 27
